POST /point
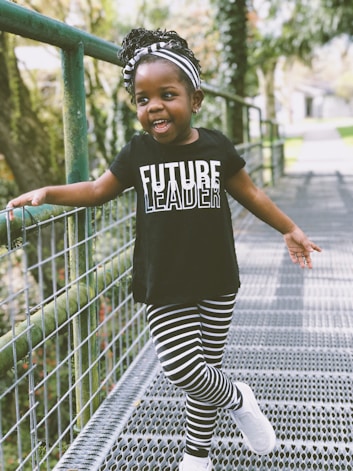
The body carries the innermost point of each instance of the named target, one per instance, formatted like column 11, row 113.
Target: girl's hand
column 87, row 193
column 32, row 198
column 300, row 247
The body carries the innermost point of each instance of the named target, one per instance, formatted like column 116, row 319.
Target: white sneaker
column 256, row 429
column 195, row 467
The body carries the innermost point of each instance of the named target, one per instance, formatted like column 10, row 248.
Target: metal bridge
column 291, row 340
column 80, row 388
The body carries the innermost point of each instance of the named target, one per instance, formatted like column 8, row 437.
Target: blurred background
column 294, row 59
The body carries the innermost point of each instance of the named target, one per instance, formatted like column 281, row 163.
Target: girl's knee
column 187, row 378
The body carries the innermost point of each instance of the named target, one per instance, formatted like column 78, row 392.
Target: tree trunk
column 267, row 85
column 233, row 27
column 24, row 140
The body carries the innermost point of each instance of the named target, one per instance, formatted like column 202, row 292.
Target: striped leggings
column 189, row 340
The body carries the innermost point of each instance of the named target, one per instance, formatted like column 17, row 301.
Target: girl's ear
column 197, row 99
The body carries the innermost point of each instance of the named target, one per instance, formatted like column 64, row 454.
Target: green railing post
column 229, row 119
column 77, row 169
column 246, row 124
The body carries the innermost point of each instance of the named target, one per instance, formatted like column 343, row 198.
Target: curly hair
column 140, row 37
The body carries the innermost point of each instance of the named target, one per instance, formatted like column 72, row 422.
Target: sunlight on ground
column 292, row 147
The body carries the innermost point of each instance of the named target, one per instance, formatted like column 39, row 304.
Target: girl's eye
column 168, row 95
column 141, row 100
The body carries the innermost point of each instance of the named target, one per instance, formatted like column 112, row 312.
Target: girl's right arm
column 92, row 193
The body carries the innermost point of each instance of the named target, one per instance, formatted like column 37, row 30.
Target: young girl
column 185, row 266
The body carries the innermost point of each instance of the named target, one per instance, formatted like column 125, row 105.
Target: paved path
column 324, row 151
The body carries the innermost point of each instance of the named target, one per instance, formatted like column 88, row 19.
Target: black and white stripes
column 159, row 49
column 189, row 341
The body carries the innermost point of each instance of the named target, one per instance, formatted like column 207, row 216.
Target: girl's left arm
column 242, row 188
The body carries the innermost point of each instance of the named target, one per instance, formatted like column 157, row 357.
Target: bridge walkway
column 291, row 340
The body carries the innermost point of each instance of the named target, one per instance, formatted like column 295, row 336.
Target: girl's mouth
column 160, row 124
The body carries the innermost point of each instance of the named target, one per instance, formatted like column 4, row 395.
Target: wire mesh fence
column 65, row 341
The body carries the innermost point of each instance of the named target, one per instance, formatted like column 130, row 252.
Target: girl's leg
column 189, row 342
column 216, row 317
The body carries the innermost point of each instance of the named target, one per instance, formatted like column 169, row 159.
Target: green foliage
column 291, row 30
column 346, row 132
column 286, row 29
column 152, row 15
column 338, row 18
column 8, row 189
column 3, row 324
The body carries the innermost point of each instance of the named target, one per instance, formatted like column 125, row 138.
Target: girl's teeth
column 160, row 124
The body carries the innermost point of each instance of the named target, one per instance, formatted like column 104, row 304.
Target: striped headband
column 158, row 49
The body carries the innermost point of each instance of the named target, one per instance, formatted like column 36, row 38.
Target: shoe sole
column 181, row 467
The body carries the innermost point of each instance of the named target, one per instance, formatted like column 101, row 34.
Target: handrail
column 33, row 25
column 28, row 215
column 212, row 90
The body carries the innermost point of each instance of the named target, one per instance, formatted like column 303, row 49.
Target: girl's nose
column 155, row 105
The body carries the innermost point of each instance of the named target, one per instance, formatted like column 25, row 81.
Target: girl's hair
column 140, row 37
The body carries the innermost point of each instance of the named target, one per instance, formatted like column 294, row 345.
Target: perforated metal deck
column 291, row 340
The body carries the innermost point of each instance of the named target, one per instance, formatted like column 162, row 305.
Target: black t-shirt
column 184, row 248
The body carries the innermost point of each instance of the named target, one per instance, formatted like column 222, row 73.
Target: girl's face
column 165, row 103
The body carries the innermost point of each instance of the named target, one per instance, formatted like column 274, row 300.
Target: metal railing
column 66, row 273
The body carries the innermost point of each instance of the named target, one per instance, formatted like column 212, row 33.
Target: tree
column 232, row 24
column 280, row 29
column 25, row 139
column 292, row 30
column 338, row 19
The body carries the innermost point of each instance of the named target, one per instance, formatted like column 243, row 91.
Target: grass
column 292, row 147
column 346, row 134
